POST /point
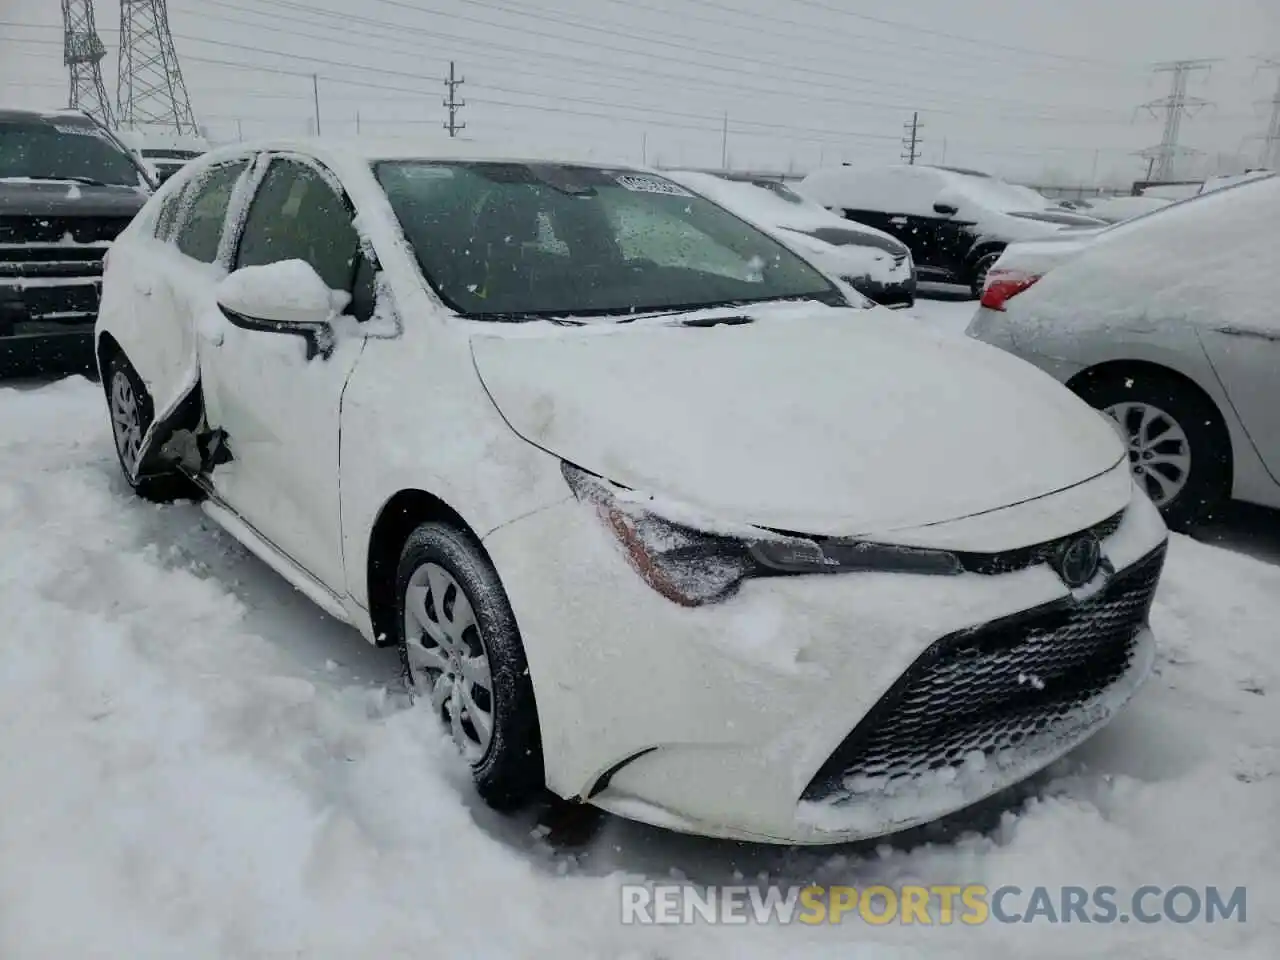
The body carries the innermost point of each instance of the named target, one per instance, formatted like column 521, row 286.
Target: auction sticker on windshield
column 640, row 184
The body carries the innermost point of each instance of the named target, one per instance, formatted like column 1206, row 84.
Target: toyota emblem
column 1079, row 560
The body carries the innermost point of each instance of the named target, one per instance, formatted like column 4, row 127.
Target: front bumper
column 896, row 293
column 720, row 720
column 46, row 324
column 994, row 327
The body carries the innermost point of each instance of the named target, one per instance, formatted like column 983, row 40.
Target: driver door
column 276, row 400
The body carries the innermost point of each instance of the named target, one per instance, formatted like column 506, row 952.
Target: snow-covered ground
column 196, row 763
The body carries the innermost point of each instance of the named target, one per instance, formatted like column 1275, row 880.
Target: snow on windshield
column 517, row 240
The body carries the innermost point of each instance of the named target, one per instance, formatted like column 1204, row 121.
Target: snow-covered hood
column 810, row 419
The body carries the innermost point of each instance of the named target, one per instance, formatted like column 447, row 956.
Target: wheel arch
column 403, row 512
column 1130, row 367
column 105, row 347
column 982, row 248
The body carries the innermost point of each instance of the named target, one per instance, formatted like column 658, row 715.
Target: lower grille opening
column 989, row 688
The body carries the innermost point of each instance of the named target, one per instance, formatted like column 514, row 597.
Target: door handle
column 1272, row 336
column 898, row 221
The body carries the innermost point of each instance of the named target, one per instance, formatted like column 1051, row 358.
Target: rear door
column 1246, row 355
column 158, row 296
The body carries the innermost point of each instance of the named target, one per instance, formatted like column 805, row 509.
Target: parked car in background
column 955, row 222
column 1217, row 183
column 652, row 510
column 162, row 152
column 1119, row 209
column 872, row 262
column 1169, row 324
column 68, row 187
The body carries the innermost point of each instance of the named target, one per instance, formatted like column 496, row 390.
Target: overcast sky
column 1031, row 89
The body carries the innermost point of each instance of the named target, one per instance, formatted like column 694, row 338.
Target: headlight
column 693, row 567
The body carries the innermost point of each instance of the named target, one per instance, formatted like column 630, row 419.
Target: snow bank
column 178, row 783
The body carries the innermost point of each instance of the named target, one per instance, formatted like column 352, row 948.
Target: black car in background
column 955, row 222
column 67, row 189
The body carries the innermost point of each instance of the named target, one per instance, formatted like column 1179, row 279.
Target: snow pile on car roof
column 1212, row 259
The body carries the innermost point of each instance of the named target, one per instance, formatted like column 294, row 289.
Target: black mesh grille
column 56, row 230
column 997, row 563
column 990, row 687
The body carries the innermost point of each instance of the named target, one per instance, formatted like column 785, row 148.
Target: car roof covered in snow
column 371, row 150
column 62, row 116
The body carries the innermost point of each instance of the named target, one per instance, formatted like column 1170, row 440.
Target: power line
column 751, row 70
column 826, row 29
column 683, row 79
column 984, row 42
column 839, row 135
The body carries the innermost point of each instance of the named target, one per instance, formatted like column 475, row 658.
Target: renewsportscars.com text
column 938, row 904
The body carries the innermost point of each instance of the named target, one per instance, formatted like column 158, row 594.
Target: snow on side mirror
column 287, row 297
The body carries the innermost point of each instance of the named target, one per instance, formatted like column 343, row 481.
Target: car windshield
column 52, row 150
column 509, row 241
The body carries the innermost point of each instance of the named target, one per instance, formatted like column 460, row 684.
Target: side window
column 297, row 216
column 206, row 203
column 168, row 215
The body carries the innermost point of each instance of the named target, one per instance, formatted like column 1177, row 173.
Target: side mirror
column 286, row 297
column 946, row 209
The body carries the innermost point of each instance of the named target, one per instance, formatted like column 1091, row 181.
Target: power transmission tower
column 1175, row 106
column 911, row 139
column 82, row 53
column 1271, row 139
column 453, row 103
column 149, row 87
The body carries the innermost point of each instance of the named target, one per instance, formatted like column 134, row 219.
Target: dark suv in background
column 67, row 189
column 956, row 222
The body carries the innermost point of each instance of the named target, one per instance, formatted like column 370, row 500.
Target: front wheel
column 1179, row 449
column 131, row 411
column 461, row 650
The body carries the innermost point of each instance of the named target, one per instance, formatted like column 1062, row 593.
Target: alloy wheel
column 126, row 419
column 1159, row 452
column 448, row 659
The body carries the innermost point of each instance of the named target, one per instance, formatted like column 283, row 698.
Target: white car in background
column 869, row 260
column 669, row 528
column 1119, row 209
column 1168, row 323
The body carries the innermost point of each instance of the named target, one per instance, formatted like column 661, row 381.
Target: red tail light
column 1002, row 287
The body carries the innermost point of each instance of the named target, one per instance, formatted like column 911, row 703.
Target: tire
column 441, row 654
column 1205, row 472
column 131, row 411
column 978, row 272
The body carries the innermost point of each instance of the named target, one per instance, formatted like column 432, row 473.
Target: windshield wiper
column 517, row 317
column 87, row 181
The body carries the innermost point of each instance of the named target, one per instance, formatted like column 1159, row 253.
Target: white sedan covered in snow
column 1170, row 324
column 657, row 519
column 875, row 264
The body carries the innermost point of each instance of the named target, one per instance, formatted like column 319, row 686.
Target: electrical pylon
column 82, row 53
column 150, row 90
